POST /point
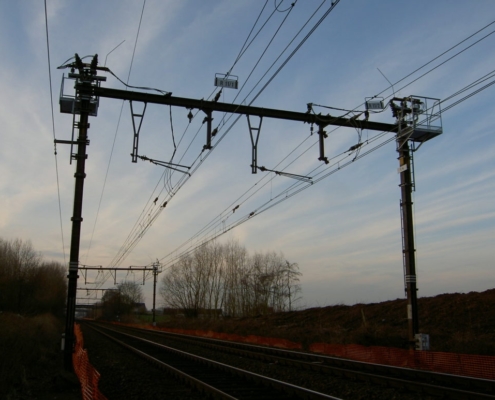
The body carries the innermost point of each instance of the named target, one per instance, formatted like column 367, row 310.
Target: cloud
column 343, row 231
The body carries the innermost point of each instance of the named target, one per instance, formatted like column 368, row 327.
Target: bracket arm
column 254, row 142
column 139, row 117
column 322, row 135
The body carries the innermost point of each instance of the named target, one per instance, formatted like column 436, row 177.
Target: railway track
column 422, row 383
column 211, row 378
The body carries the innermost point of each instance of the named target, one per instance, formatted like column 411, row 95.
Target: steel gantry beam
column 318, row 119
column 209, row 106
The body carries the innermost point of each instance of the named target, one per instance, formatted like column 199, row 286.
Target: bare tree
column 131, row 292
column 49, row 289
column 116, row 304
column 291, row 282
column 176, row 288
column 27, row 284
column 235, row 257
column 224, row 276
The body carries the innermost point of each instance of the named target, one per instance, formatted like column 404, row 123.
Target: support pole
column 408, row 239
column 80, row 174
column 155, row 273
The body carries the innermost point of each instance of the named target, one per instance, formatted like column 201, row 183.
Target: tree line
column 224, row 276
column 120, row 302
column 29, row 285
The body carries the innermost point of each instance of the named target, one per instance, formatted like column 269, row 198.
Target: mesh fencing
column 476, row 366
column 472, row 365
column 87, row 374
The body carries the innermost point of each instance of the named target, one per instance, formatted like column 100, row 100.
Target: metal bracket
column 166, row 164
column 136, row 117
column 254, row 164
column 208, row 119
column 322, row 135
column 288, row 175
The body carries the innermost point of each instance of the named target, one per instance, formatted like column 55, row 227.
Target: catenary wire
column 266, row 49
column 278, row 5
column 167, row 175
column 436, row 58
column 299, row 187
column 356, row 158
column 115, row 134
column 271, row 66
column 300, row 44
column 432, row 60
column 244, row 47
column 117, row 128
column 197, row 166
column 53, row 130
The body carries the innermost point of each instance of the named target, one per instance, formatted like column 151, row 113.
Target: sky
column 344, row 231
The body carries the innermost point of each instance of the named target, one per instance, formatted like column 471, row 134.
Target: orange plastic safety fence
column 476, row 366
column 450, row 363
column 252, row 339
column 261, row 340
column 87, row 374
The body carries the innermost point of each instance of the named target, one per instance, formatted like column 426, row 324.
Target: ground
column 462, row 323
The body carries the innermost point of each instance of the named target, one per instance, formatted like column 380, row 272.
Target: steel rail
column 287, row 388
column 399, row 377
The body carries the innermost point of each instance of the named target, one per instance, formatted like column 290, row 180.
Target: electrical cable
column 278, row 5
column 449, row 106
column 271, row 66
column 356, row 157
column 450, row 58
column 334, row 4
column 242, row 51
column 266, row 48
column 428, row 63
column 115, row 135
column 53, row 131
column 437, row 57
column 117, row 128
column 366, row 153
column 336, row 166
column 168, row 174
column 279, row 69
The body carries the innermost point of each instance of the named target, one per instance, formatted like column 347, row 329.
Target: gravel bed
column 117, row 362
column 125, row 375
column 324, row 383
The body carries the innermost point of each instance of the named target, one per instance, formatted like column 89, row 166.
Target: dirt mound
column 462, row 323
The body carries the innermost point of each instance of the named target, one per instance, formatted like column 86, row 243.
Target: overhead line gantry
column 208, row 107
column 408, row 130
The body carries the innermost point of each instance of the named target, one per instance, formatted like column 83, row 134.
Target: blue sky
column 344, row 231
